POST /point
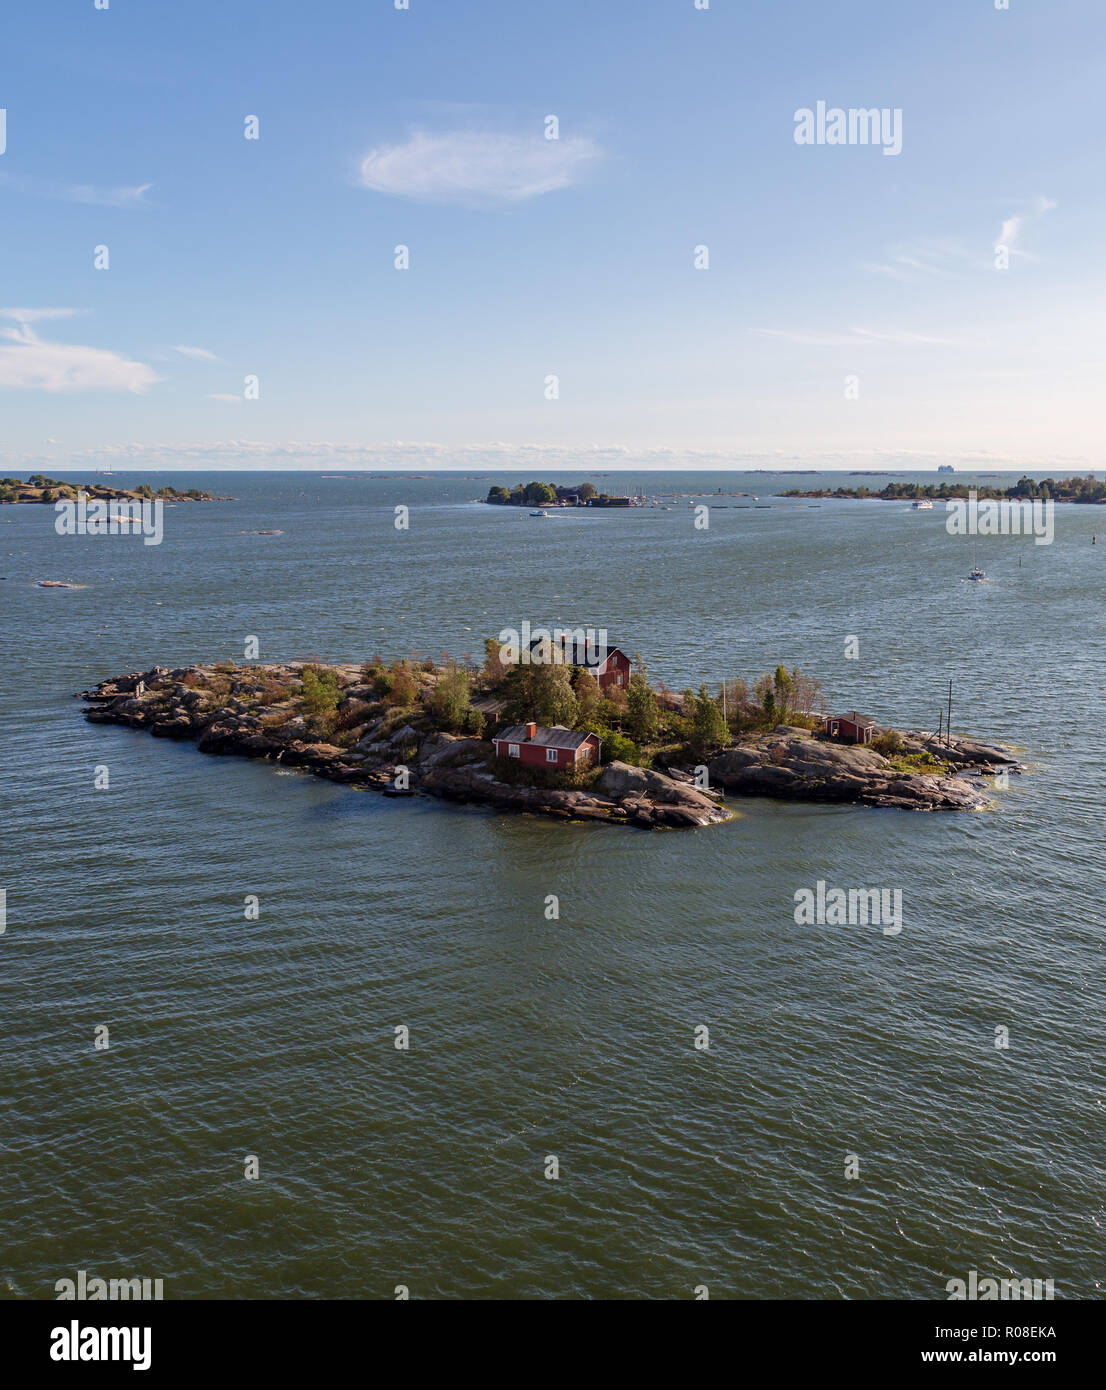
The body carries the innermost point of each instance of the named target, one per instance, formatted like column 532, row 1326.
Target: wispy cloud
column 1013, row 226
column 476, row 166
column 941, row 260
column 30, row 364
column 199, row 354
column 511, row 459
column 134, row 197
column 126, row 196
column 858, row 337
column 226, row 397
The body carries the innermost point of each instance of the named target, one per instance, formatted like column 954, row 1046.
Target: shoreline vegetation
column 667, row 759
column 545, row 495
column 1073, row 489
column 40, row 488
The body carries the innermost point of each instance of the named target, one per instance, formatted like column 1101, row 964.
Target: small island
column 583, row 737
column 552, row 495
column 1074, row 489
column 40, row 488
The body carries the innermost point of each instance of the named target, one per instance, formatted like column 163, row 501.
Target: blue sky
column 532, row 257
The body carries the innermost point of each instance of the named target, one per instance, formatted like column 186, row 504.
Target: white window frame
column 512, row 750
column 551, row 755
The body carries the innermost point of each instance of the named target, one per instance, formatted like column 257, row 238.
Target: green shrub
column 320, row 699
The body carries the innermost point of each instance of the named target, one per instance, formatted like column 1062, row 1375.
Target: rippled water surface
column 530, row 1038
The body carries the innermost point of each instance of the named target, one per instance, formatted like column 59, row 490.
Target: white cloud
column 34, row 365
column 476, row 166
column 32, row 315
column 199, row 354
column 858, row 337
column 939, row 260
column 1012, row 227
column 508, row 460
column 107, row 197
column 127, row 196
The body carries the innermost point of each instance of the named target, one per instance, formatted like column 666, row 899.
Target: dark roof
column 545, row 738
column 489, row 705
column 577, row 654
column 854, row 718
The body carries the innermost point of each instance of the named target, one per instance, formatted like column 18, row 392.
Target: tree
column 585, row 490
column 708, row 728
column 764, row 695
column 537, row 494
column 735, row 701
column 498, row 495
column 642, row 715
column 783, row 688
column 451, row 701
column 543, row 694
column 806, row 693
column 494, row 669
column 586, row 688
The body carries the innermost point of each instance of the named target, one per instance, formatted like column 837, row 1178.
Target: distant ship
column 924, row 505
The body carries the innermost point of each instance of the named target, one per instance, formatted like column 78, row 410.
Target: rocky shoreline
column 250, row 711
column 792, row 764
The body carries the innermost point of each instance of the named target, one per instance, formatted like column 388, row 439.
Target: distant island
column 1074, row 489
column 39, row 488
column 552, row 495
column 578, row 740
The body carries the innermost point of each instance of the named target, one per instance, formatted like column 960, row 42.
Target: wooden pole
column 948, row 722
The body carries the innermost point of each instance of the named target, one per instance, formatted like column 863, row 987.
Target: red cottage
column 555, row 748
column 850, row 728
column 608, row 665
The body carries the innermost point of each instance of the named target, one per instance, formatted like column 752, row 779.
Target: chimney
column 531, row 731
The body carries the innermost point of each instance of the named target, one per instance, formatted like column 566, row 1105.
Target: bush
column 405, row 689
column 889, row 743
column 352, row 714
column 276, row 718
column 320, row 699
column 474, row 724
column 619, row 748
column 519, row 774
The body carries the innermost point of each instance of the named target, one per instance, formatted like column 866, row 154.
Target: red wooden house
column 850, row 728
column 552, row 748
column 608, row 665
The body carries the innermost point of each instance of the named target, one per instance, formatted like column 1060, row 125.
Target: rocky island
column 444, row 729
column 39, row 488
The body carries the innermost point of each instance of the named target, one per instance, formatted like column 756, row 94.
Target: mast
column 948, row 721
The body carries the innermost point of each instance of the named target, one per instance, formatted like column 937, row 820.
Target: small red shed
column 552, row 748
column 850, row 728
